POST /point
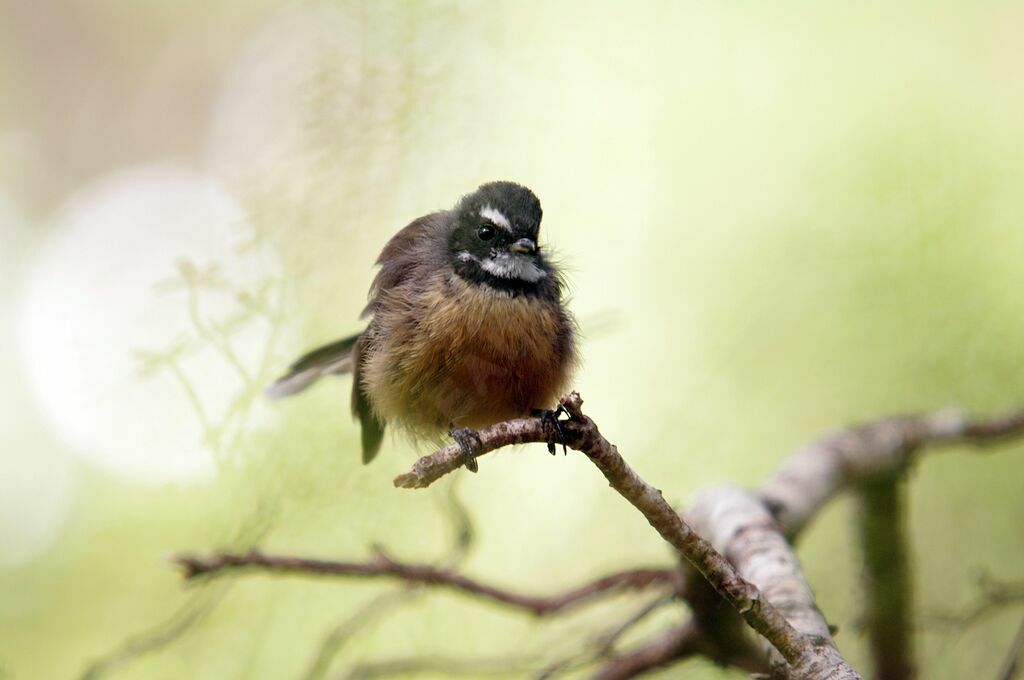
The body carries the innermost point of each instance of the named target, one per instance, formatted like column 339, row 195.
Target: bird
column 467, row 327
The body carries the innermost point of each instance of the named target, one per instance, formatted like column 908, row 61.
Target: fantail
column 468, row 327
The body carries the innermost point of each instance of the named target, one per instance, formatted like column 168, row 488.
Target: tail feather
column 336, row 358
column 332, row 359
column 372, row 428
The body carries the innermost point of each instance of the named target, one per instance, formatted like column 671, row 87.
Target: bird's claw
column 550, row 420
column 469, row 441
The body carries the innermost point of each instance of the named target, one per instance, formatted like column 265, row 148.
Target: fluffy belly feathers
column 474, row 357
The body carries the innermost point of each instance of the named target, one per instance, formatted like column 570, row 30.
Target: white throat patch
column 507, row 266
column 494, row 215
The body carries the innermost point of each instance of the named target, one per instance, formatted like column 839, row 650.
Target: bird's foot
column 553, row 425
column 469, row 441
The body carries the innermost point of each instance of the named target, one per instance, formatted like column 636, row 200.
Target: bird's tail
column 332, row 359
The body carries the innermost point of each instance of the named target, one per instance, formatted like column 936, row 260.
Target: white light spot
column 107, row 286
column 37, row 480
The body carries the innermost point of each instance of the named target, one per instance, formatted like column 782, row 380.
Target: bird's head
column 494, row 238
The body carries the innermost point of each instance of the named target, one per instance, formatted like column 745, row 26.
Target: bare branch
column 820, row 470
column 382, row 566
column 738, row 524
column 610, row 639
column 667, row 648
column 995, row 597
column 995, row 430
column 887, row 588
column 450, row 667
column 178, row 624
column 429, row 469
column 808, row 656
column 364, row 617
column 604, row 645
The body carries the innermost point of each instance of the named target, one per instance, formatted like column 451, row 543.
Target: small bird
column 467, row 328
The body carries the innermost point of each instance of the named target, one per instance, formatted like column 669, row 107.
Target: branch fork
column 811, row 653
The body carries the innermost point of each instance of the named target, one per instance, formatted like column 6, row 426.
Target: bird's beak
column 523, row 245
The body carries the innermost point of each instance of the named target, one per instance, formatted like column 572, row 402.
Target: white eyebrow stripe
column 494, row 215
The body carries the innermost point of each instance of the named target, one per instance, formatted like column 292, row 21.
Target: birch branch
column 738, row 524
column 820, row 470
column 806, row 481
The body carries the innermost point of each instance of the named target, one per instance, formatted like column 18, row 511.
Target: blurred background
column 777, row 218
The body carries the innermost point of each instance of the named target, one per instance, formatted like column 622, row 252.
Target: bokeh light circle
column 37, row 479
column 105, row 296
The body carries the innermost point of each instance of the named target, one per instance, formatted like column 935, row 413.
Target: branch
column 434, row 665
column 995, row 596
column 382, row 566
column 820, row 470
column 667, row 648
column 812, row 477
column 429, row 469
column 181, row 622
column 739, row 525
column 603, row 646
column 607, row 641
column 887, row 608
column 364, row 617
column 806, row 654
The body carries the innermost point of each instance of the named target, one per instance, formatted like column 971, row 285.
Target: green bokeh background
column 777, row 218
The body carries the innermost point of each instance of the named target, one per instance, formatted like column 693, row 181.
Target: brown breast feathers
column 467, row 355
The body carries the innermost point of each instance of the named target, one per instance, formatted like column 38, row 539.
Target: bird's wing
column 408, row 251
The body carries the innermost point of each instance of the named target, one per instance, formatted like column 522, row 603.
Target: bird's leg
column 550, row 419
column 469, row 441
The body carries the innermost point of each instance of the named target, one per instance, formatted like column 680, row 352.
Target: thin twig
column 667, row 648
column 344, row 631
column 450, row 667
column 995, row 597
column 604, row 645
column 382, row 566
column 612, row 637
column 175, row 626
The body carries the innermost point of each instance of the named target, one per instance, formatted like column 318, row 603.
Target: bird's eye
column 485, row 232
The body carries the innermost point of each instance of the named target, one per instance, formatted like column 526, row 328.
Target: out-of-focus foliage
column 776, row 218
